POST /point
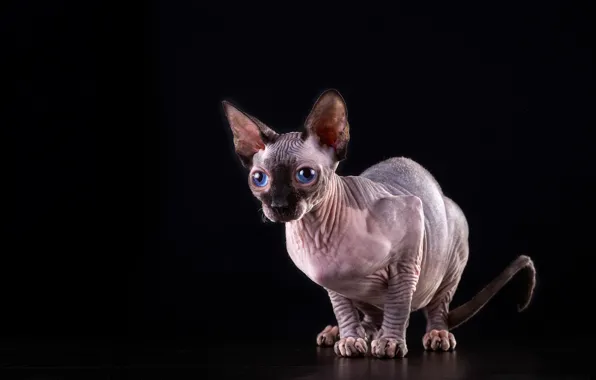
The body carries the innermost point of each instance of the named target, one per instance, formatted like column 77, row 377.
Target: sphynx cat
column 382, row 244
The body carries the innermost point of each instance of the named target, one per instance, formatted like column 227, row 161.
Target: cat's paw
column 328, row 336
column 439, row 340
column 350, row 347
column 389, row 348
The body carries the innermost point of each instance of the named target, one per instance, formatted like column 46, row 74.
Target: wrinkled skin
column 383, row 244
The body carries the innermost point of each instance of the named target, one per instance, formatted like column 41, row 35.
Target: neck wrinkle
column 324, row 220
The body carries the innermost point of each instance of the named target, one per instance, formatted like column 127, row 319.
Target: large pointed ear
column 328, row 121
column 250, row 135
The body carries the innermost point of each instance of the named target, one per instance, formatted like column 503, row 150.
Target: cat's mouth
column 282, row 214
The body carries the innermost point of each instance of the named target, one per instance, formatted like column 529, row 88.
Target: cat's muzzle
column 283, row 214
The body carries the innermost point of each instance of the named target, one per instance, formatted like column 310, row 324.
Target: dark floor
column 98, row 360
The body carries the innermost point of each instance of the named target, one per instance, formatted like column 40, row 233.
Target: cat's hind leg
column 371, row 320
column 438, row 337
column 328, row 336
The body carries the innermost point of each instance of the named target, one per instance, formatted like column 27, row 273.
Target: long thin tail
column 466, row 311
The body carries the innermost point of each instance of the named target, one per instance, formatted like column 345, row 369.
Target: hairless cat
column 382, row 244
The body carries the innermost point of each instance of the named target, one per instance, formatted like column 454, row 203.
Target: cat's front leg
column 351, row 333
column 404, row 272
column 391, row 339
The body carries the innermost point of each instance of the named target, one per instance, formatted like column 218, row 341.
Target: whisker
column 264, row 218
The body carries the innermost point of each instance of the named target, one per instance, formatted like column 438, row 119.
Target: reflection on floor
column 262, row 360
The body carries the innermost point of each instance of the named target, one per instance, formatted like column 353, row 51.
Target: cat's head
column 289, row 173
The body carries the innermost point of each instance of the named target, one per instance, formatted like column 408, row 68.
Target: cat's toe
column 328, row 336
column 439, row 340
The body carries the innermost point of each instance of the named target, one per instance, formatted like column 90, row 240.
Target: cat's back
column 403, row 176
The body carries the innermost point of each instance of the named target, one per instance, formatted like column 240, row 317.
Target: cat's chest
column 340, row 259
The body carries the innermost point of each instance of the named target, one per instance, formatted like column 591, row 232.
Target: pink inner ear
column 329, row 126
column 248, row 141
column 327, row 134
column 328, row 119
column 250, row 135
column 247, row 138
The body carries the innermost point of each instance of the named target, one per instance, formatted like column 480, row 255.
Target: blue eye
column 260, row 179
column 306, row 175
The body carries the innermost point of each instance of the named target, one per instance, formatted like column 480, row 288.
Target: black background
column 130, row 216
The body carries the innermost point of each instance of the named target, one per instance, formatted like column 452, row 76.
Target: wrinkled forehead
column 291, row 149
